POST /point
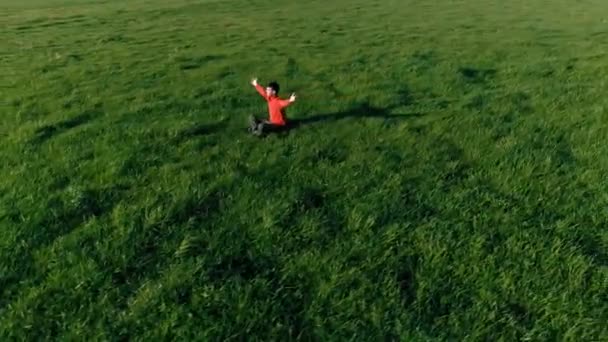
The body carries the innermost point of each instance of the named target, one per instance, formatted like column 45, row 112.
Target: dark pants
column 260, row 127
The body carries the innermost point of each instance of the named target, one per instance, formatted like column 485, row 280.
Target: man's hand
column 292, row 98
column 254, row 82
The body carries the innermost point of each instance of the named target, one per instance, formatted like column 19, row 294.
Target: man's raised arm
column 258, row 87
column 292, row 99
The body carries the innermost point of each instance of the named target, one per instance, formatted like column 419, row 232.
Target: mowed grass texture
column 447, row 181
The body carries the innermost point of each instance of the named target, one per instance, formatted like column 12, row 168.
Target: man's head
column 272, row 89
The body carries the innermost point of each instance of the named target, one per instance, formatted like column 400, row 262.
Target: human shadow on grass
column 363, row 111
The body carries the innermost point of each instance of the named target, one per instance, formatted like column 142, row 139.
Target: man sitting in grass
column 276, row 110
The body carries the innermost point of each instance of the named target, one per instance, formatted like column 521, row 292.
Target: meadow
column 447, row 181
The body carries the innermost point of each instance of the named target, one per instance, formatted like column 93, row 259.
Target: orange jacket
column 276, row 107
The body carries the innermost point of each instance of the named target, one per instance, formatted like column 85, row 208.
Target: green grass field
column 448, row 181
